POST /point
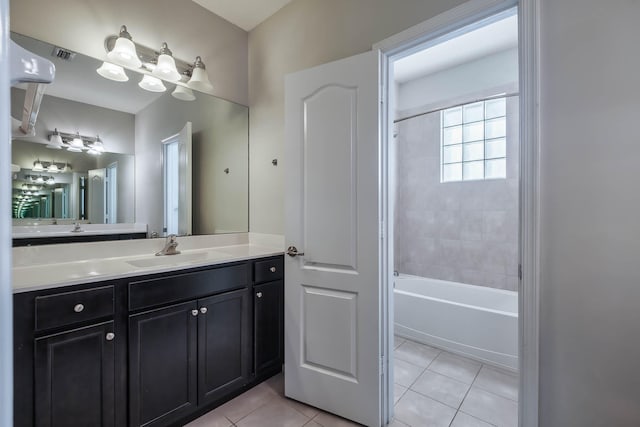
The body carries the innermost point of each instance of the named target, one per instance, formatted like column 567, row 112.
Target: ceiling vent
column 64, row 54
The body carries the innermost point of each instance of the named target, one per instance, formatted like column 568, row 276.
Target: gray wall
column 189, row 29
column 220, row 141
column 458, row 231
column 590, row 207
column 303, row 34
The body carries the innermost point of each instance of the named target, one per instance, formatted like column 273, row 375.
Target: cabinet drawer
column 181, row 287
column 266, row 271
column 72, row 307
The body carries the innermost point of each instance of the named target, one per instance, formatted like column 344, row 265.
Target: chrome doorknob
column 292, row 251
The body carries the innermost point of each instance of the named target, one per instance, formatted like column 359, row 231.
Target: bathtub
column 474, row 321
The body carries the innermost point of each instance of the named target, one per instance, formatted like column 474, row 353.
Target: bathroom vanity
column 158, row 345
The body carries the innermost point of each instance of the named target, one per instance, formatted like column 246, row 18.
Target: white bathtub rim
column 488, row 357
column 463, row 285
column 460, row 304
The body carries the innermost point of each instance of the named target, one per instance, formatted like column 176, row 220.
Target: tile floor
column 437, row 388
column 433, row 388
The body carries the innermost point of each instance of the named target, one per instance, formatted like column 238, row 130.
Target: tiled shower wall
column 459, row 231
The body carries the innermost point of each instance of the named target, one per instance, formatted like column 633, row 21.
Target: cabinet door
column 74, row 378
column 162, row 365
column 223, row 344
column 268, row 327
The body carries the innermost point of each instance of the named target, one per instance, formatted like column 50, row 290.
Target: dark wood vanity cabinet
column 268, row 317
column 158, row 350
column 72, row 367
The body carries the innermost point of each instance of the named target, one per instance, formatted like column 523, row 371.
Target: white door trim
column 415, row 38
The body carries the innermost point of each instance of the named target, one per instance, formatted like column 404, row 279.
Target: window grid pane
column 473, row 145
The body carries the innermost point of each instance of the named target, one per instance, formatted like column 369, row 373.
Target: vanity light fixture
column 112, row 72
column 77, row 142
column 152, row 84
column 97, row 146
column 53, row 168
column 166, row 66
column 124, row 52
column 37, row 166
column 183, row 93
column 199, row 77
column 55, row 141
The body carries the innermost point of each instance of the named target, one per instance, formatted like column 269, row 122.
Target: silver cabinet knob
column 194, row 312
column 259, row 294
column 272, row 269
column 110, row 336
column 203, row 310
column 78, row 308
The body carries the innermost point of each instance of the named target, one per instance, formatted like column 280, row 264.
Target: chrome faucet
column 76, row 228
column 169, row 246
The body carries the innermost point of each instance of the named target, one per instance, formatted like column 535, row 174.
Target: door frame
column 416, row 38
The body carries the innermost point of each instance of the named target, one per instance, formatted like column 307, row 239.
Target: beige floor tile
column 276, row 413
column 465, row 420
column 312, row 424
column 491, row 408
column 498, row 381
column 443, row 389
column 417, row 410
column 210, row 419
column 326, row 419
column 247, row 402
column 405, row 373
column 396, row 423
column 276, row 384
column 418, row 354
column 308, row 411
column 398, row 391
column 456, row 367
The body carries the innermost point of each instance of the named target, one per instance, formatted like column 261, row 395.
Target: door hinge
column 381, row 230
column 382, row 367
column 519, row 271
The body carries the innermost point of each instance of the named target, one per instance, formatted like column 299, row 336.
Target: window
column 473, row 141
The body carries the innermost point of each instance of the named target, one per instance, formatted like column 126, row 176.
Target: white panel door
column 332, row 291
column 177, row 173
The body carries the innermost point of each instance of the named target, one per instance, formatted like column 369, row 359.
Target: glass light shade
column 124, row 53
column 53, row 168
column 112, row 72
column 166, row 69
column 152, row 84
column 37, row 166
column 97, row 146
column 183, row 93
column 94, row 152
column 77, row 142
column 200, row 80
column 74, row 149
column 55, row 142
column 39, row 179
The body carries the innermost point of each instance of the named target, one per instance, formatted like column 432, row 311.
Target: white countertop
column 65, row 230
column 50, row 266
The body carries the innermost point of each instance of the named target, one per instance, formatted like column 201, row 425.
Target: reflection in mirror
column 176, row 171
column 131, row 123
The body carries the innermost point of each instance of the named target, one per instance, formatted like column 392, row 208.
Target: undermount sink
column 157, row 261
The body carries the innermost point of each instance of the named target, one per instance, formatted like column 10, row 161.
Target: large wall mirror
column 125, row 183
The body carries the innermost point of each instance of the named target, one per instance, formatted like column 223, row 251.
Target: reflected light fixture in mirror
column 37, row 166
column 124, row 52
column 183, row 93
column 199, row 77
column 55, row 141
column 112, row 72
column 96, row 146
column 166, row 67
column 152, row 84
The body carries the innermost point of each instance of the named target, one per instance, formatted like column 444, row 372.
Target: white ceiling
column 246, row 14
column 487, row 40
